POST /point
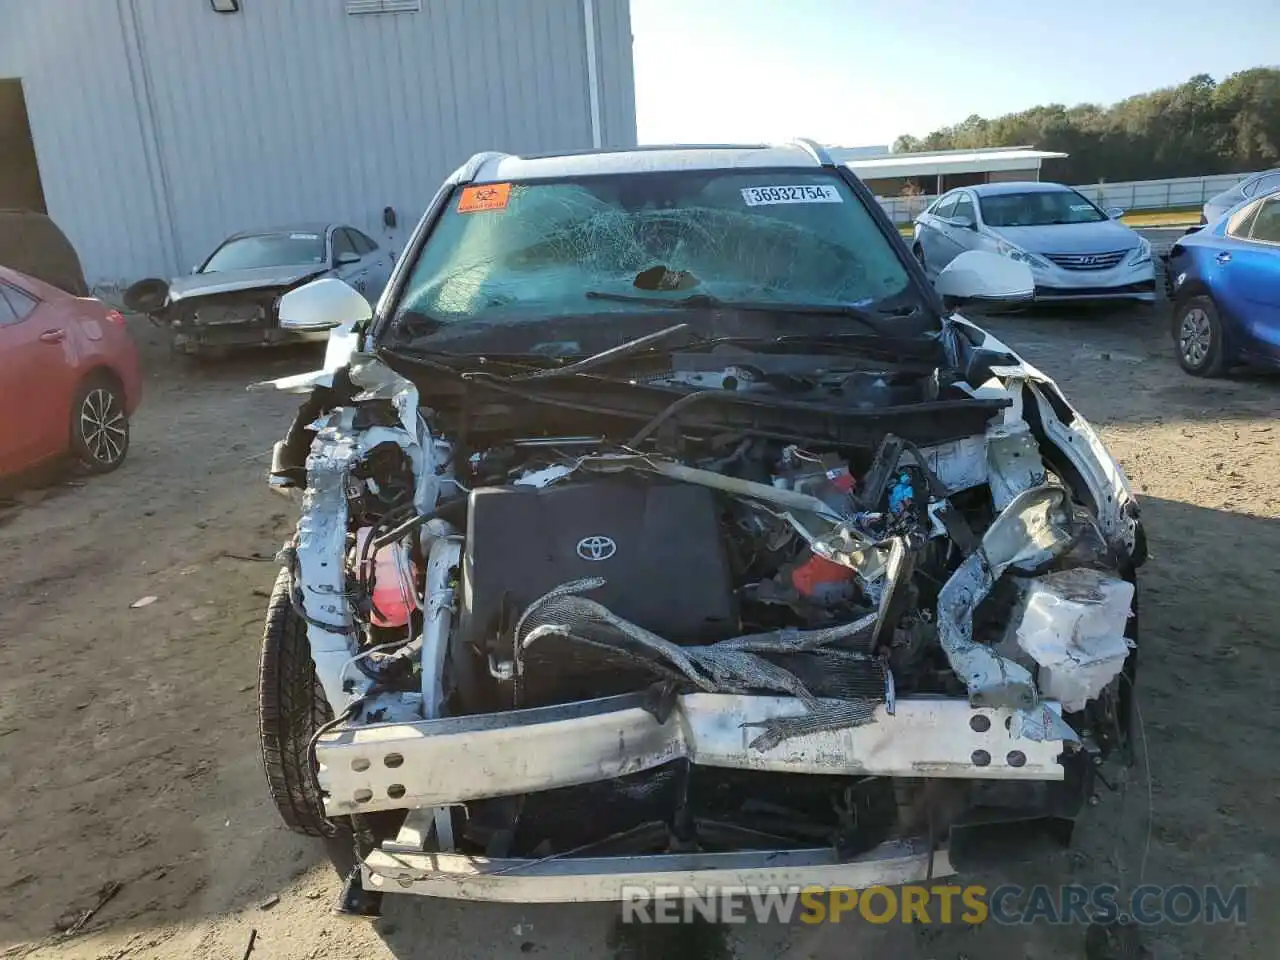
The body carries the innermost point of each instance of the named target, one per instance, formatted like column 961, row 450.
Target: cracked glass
column 791, row 237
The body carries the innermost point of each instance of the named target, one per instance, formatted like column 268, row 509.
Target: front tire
column 1198, row 338
column 291, row 709
column 99, row 426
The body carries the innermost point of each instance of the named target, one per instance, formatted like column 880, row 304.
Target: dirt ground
column 127, row 735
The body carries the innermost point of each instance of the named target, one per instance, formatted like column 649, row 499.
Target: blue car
column 1224, row 281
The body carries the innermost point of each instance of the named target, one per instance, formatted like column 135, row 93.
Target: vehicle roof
column 1239, row 204
column 493, row 168
column 313, row 227
column 1230, row 193
column 1017, row 186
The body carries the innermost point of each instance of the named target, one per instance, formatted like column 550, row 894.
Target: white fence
column 1131, row 195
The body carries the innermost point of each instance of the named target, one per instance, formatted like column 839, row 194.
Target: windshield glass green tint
column 507, row 252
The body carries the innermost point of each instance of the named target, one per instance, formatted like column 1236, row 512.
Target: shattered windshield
column 514, row 252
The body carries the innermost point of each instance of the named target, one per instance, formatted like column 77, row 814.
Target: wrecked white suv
column 664, row 525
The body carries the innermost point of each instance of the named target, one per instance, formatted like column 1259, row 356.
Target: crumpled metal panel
column 320, row 542
column 736, row 665
column 1032, row 529
column 1014, row 462
column 320, row 545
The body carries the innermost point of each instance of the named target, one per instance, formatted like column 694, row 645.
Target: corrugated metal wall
column 71, row 59
column 150, row 112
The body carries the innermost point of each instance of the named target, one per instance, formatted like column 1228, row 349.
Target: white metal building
column 157, row 127
column 937, row 171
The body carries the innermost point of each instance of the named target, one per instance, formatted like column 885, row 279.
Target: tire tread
column 1217, row 364
column 291, row 708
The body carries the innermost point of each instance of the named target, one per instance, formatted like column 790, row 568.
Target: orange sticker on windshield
column 488, row 196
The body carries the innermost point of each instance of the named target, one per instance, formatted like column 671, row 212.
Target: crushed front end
column 581, row 632
column 213, row 313
column 244, row 318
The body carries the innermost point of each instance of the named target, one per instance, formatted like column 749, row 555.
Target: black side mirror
column 147, row 296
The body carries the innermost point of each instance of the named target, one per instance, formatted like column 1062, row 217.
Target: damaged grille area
column 240, row 318
column 226, row 309
column 760, row 663
column 678, row 806
column 765, row 607
column 218, row 314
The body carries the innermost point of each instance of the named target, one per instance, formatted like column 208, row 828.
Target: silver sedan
column 230, row 299
column 1258, row 185
column 1074, row 249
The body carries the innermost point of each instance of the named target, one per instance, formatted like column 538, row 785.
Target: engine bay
column 500, row 541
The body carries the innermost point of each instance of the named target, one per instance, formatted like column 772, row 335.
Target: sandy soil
column 127, row 736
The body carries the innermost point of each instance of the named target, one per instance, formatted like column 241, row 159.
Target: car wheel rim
column 1195, row 337
column 102, row 426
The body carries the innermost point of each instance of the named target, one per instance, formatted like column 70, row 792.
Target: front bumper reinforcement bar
column 431, row 763
column 577, row 880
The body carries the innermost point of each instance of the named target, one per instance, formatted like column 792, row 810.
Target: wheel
column 99, row 427
column 291, row 709
column 1197, row 338
column 919, row 252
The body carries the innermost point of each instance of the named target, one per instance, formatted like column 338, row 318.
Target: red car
column 69, row 377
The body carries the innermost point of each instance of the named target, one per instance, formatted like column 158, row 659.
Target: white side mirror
column 1115, row 213
column 322, row 305
column 979, row 275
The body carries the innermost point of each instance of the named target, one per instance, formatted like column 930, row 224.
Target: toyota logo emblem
column 596, row 548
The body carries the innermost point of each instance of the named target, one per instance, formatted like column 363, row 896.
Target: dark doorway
column 20, row 186
column 952, row 180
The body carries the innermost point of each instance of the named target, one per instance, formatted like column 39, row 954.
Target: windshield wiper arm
column 621, row 351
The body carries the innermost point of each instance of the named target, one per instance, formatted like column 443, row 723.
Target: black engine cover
column 657, row 545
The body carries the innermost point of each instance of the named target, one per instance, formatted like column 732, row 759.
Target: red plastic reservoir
column 395, row 595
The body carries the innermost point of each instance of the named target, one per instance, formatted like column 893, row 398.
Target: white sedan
column 1074, row 249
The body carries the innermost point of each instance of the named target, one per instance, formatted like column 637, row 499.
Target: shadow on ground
column 1119, row 367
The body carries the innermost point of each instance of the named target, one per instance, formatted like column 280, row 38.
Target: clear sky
column 861, row 72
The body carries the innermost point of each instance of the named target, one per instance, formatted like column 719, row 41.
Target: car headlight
column 1007, row 249
column 1142, row 254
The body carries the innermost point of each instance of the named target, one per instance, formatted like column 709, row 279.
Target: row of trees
column 1200, row 127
